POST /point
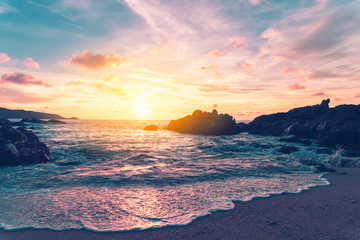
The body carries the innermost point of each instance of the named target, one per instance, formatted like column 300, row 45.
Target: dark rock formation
column 205, row 123
column 56, row 121
column 20, row 146
column 32, row 120
column 330, row 127
column 287, row 149
column 151, row 128
column 295, row 139
column 74, row 118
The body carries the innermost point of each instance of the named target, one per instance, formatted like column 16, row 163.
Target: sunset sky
column 156, row 59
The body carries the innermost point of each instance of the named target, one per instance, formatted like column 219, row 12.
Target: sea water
column 114, row 176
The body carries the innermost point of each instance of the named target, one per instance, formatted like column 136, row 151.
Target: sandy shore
column 330, row 212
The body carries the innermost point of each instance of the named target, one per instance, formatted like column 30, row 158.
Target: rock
column 32, row 120
column 287, row 149
column 330, row 127
column 20, row 146
column 322, row 168
column 243, row 127
column 151, row 128
column 205, row 123
column 295, row 139
column 11, row 133
column 56, row 121
column 9, row 155
column 74, row 118
column 4, row 121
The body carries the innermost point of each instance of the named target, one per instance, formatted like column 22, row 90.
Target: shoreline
column 324, row 212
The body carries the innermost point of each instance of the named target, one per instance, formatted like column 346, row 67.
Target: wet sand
column 329, row 212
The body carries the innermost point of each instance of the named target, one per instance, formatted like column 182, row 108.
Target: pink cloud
column 357, row 78
column 247, row 67
column 235, row 43
column 215, row 106
column 4, row 58
column 216, row 53
column 287, row 70
column 208, row 88
column 254, row 2
column 29, row 62
column 357, row 95
column 91, row 61
column 22, row 79
column 296, row 87
column 212, row 66
column 318, row 94
column 340, row 99
column 74, row 83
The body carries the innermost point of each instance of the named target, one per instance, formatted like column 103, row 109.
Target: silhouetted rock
column 205, row 123
column 287, row 149
column 74, row 118
column 32, row 120
column 295, row 139
column 19, row 114
column 151, row 128
column 20, row 146
column 322, row 168
column 243, row 127
column 56, row 121
column 330, row 127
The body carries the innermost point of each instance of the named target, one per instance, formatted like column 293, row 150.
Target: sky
column 157, row 59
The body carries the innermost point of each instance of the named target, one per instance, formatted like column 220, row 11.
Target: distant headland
column 20, row 114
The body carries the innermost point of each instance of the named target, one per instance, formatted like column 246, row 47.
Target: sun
column 140, row 108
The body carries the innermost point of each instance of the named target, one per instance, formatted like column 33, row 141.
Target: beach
column 327, row 212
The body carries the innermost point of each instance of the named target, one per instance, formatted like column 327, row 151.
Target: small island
column 205, row 123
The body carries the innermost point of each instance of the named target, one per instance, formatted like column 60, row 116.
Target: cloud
column 247, row 68
column 216, row 53
column 328, row 32
column 215, row 106
column 74, row 83
column 235, row 43
column 357, row 95
column 22, row 79
column 208, row 88
column 296, row 87
column 15, row 96
column 4, row 58
column 90, row 61
column 318, row 94
column 110, row 89
column 212, row 66
column 29, row 62
column 323, row 74
column 287, row 70
column 254, row 2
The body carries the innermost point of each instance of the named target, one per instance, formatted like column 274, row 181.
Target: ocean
column 114, row 176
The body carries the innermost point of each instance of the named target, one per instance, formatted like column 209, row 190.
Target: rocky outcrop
column 330, row 127
column 32, row 120
column 20, row 146
column 151, row 128
column 205, row 123
column 54, row 121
